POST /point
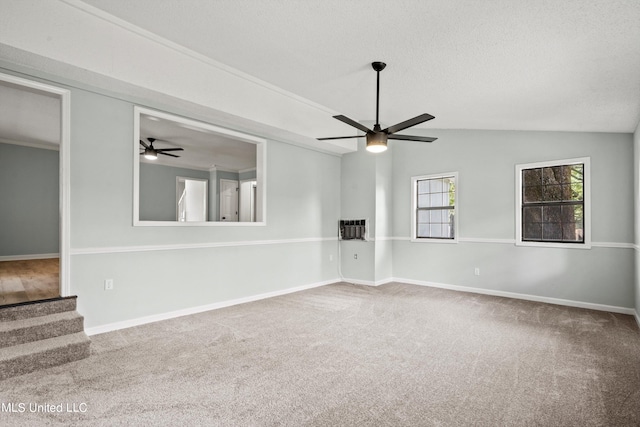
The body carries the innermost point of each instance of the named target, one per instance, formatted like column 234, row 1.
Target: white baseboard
column 28, row 257
column 199, row 309
column 214, row 306
column 367, row 282
column 515, row 295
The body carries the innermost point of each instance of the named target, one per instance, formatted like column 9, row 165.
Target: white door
column 248, row 201
column 228, row 200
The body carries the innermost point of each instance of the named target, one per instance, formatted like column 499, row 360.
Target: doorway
column 34, row 221
column 191, row 199
column 228, row 200
column 248, row 193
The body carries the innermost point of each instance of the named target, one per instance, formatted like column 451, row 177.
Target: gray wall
column 165, row 269
column 153, row 268
column 29, row 200
column 243, row 176
column 367, row 191
column 485, row 161
column 158, row 190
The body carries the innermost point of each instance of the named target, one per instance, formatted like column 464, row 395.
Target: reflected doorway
column 228, row 200
column 248, row 195
column 191, row 199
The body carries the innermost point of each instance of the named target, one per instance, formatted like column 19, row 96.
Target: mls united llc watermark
column 48, row 408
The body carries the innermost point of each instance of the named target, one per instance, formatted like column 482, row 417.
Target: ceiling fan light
column 150, row 154
column 376, row 142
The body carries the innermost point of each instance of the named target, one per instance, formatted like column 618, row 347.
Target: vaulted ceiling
column 571, row 65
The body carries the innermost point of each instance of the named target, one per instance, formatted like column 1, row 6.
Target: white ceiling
column 571, row 65
column 203, row 149
column 32, row 117
column 29, row 116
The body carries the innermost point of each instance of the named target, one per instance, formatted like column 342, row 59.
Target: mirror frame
column 261, row 170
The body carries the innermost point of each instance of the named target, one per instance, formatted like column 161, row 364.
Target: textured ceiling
column 29, row 116
column 202, row 149
column 569, row 65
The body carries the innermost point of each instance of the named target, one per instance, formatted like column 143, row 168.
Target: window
column 553, row 204
column 434, row 207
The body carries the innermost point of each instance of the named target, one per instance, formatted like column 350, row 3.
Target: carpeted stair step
column 40, row 334
column 31, row 356
column 21, row 331
column 36, row 309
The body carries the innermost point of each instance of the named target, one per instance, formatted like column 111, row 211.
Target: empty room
column 320, row 213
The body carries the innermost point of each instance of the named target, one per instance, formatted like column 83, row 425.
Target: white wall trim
column 613, row 245
column 484, row 240
column 367, row 282
column 182, row 246
column 637, row 316
column 516, row 295
column 194, row 310
column 214, row 306
column 28, row 257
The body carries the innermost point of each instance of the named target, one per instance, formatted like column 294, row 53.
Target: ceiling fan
column 377, row 137
column 151, row 153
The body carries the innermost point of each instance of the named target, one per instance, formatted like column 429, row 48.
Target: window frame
column 414, row 208
column 261, row 168
column 586, row 195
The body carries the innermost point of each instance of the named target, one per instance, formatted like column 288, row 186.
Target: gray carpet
column 395, row 355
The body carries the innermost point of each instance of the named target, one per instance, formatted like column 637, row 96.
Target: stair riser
column 41, row 332
column 25, row 311
column 42, row 360
column 40, row 335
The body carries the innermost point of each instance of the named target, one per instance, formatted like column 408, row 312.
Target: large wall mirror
column 188, row 172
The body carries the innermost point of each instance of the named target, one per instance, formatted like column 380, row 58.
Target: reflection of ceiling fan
column 151, row 153
column 377, row 138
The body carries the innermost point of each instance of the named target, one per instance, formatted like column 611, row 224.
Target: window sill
column 432, row 240
column 585, row 245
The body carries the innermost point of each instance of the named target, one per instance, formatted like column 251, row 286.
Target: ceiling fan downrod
column 377, row 137
column 378, row 66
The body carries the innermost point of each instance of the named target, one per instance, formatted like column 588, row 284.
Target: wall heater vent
column 353, row 229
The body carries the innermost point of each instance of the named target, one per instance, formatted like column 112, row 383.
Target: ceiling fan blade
column 353, row 123
column 408, row 123
column 412, row 138
column 169, row 149
column 339, row 137
column 166, row 154
column 144, row 144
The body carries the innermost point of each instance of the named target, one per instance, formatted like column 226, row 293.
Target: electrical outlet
column 355, row 256
column 330, row 257
column 108, row 284
column 476, row 271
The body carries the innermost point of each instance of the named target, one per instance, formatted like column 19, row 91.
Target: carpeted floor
column 347, row 355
